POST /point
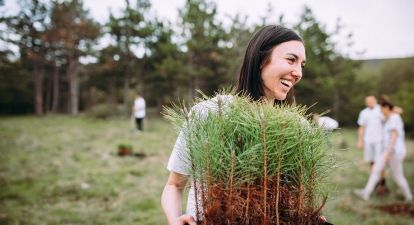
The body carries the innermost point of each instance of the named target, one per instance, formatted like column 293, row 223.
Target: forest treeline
column 53, row 60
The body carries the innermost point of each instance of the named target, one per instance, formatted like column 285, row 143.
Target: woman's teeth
column 286, row 83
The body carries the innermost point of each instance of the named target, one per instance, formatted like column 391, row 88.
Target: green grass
column 64, row 170
column 352, row 173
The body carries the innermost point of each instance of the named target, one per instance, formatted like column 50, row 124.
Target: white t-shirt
column 139, row 107
column 179, row 161
column 327, row 123
column 371, row 119
column 394, row 122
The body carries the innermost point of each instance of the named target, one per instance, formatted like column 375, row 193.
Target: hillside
column 373, row 66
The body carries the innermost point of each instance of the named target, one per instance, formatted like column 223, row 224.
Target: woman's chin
column 280, row 97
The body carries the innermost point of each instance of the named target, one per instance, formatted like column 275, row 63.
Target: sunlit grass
column 64, row 170
column 344, row 207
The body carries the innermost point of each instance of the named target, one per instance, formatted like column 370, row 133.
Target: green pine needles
column 255, row 163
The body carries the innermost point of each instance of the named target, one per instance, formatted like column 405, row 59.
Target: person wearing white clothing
column 393, row 155
column 326, row 122
column 139, row 111
column 369, row 135
column 369, row 131
column 179, row 161
column 272, row 65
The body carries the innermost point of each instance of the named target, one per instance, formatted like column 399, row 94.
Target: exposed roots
column 245, row 206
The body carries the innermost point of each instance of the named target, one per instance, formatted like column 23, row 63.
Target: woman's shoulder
column 212, row 104
column 395, row 116
column 395, row 119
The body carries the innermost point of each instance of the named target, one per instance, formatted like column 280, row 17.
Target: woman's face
column 283, row 70
column 386, row 111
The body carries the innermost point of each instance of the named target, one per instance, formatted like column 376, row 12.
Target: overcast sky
column 381, row 28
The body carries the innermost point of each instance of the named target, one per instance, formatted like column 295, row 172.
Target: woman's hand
column 388, row 155
column 360, row 144
column 184, row 220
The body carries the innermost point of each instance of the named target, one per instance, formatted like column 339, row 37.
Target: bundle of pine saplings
column 254, row 162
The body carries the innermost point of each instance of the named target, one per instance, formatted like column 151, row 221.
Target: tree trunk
column 127, row 97
column 336, row 103
column 190, row 90
column 194, row 87
column 159, row 104
column 193, row 82
column 55, row 97
column 141, row 82
column 197, row 86
column 73, row 70
column 38, row 90
column 111, row 99
column 128, row 69
column 48, row 95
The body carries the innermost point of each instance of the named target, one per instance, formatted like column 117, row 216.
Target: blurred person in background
column 139, row 111
column 393, row 154
column 326, row 122
column 370, row 136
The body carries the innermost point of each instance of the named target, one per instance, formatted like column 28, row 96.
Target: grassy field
column 64, row 170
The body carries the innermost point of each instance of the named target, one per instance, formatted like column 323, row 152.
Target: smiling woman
column 283, row 70
column 271, row 67
column 272, row 64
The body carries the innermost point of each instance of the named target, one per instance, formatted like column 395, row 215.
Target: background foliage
column 166, row 61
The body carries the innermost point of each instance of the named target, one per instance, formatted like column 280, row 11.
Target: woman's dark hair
column 258, row 53
column 384, row 98
column 387, row 104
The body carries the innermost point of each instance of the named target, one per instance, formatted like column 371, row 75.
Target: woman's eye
column 291, row 60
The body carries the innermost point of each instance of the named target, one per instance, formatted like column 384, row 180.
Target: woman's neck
column 268, row 100
column 388, row 115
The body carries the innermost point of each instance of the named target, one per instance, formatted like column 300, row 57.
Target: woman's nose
column 297, row 72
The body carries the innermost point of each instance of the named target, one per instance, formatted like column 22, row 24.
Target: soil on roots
column 398, row 208
column 253, row 205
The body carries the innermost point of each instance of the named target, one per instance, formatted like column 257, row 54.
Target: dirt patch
column 398, row 209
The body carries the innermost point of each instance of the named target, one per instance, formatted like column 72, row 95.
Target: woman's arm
column 390, row 147
column 171, row 200
column 361, row 132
